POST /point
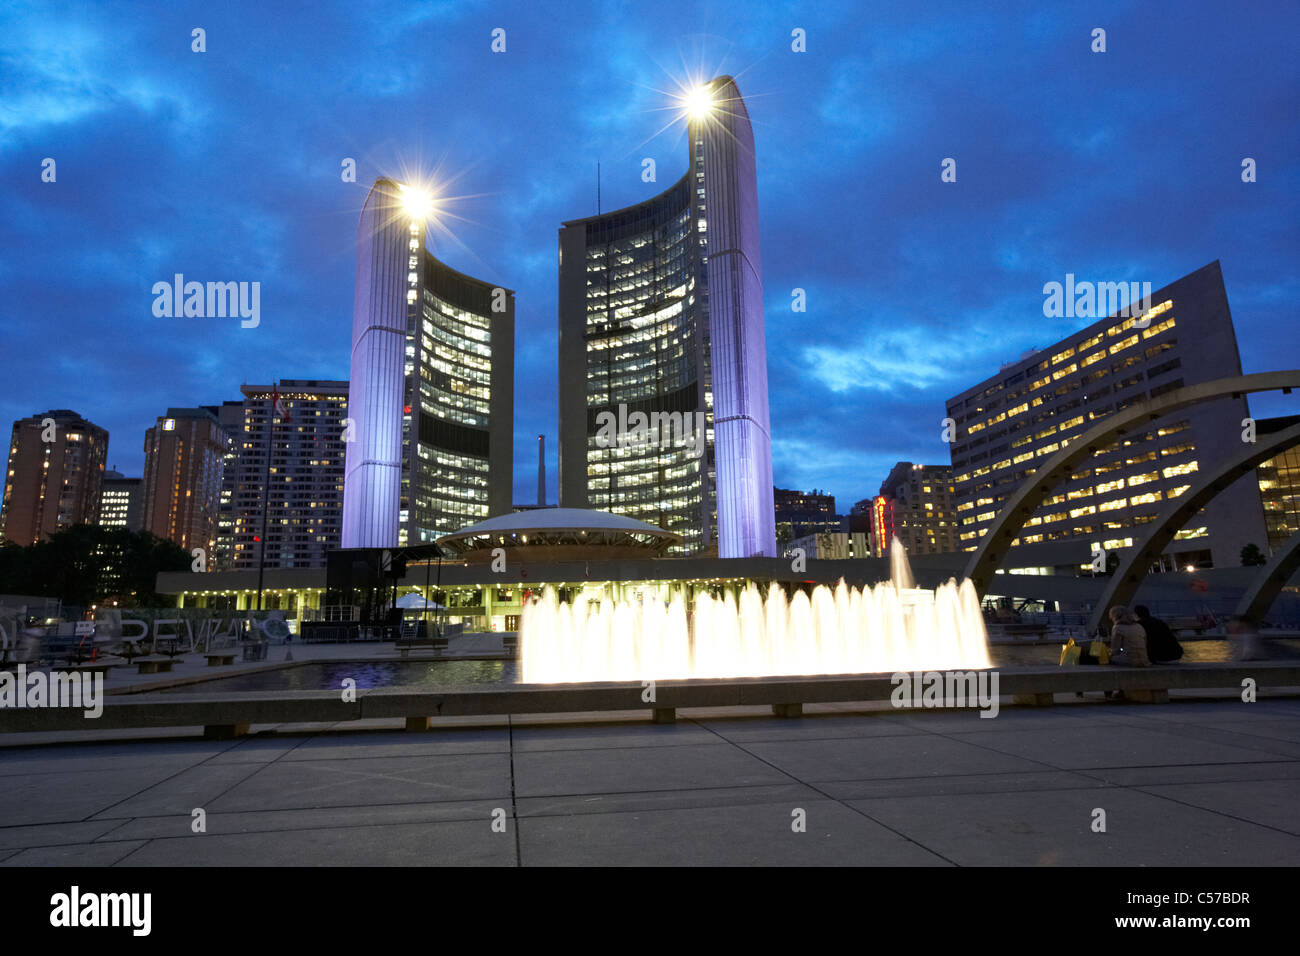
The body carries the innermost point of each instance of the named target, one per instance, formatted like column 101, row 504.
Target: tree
column 1252, row 556
column 85, row 564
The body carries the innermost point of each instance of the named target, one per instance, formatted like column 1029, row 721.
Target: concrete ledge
column 786, row 695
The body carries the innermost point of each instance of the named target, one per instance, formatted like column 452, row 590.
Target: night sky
column 225, row 165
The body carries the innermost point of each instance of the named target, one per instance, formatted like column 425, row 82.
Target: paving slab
column 265, row 748
column 182, row 793
column 1183, row 784
column 868, row 758
column 88, row 757
column 1077, row 748
column 596, row 736
column 1007, row 782
column 1267, row 739
column 52, row 834
column 417, row 844
column 949, row 721
column 790, row 794
column 1242, row 771
column 635, row 769
column 94, row 854
column 1054, row 829
column 370, row 782
column 273, row 821
column 751, row 835
column 74, row 795
column 1271, row 803
column 809, row 727
column 400, row 743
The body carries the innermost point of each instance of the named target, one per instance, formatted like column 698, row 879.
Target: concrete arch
column 1272, row 578
column 1128, row 577
column 993, row 546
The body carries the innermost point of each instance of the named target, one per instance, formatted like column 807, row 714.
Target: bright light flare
column 417, row 202
column 698, row 102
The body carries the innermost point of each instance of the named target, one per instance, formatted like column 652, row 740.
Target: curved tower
column 432, row 389
column 661, row 316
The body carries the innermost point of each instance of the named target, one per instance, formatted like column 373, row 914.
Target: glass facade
column 1279, row 486
column 453, row 355
column 643, row 327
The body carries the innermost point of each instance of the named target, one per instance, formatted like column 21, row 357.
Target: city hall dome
column 559, row 534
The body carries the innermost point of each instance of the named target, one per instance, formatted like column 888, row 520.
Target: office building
column 55, row 475
column 1009, row 424
column 184, row 454
column 662, row 357
column 1279, row 487
column 801, row 513
column 916, row 506
column 432, row 387
column 231, row 417
column 832, row 546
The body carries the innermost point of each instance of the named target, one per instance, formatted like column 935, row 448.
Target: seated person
column 1128, row 640
column 1162, row 646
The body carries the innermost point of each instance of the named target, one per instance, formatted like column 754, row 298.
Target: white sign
column 85, row 628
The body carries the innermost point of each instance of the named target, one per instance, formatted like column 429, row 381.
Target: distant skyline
column 225, row 166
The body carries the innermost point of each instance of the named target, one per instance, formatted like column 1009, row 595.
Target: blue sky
column 225, row 165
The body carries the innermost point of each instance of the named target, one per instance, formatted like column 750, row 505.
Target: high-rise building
column 1007, row 425
column 231, row 416
column 916, row 506
column 55, row 475
column 661, row 318
column 184, row 454
column 1279, row 487
column 119, row 502
column 432, row 388
column 301, row 490
column 801, row 513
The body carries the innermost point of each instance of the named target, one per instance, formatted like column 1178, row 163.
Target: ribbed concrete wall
column 742, row 429
column 372, row 486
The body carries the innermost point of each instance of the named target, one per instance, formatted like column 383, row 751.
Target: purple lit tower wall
column 723, row 150
column 372, row 485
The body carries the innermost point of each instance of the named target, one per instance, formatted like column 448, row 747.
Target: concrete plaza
column 1189, row 783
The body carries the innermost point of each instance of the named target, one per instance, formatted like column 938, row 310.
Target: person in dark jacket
column 1162, row 646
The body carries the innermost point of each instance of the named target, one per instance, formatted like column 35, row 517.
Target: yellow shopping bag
column 1100, row 651
column 1070, row 653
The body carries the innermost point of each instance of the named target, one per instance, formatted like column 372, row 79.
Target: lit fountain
column 889, row 628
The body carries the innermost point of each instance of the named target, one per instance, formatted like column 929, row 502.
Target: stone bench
column 220, row 658
column 94, row 668
column 437, row 644
column 232, row 714
column 153, row 665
